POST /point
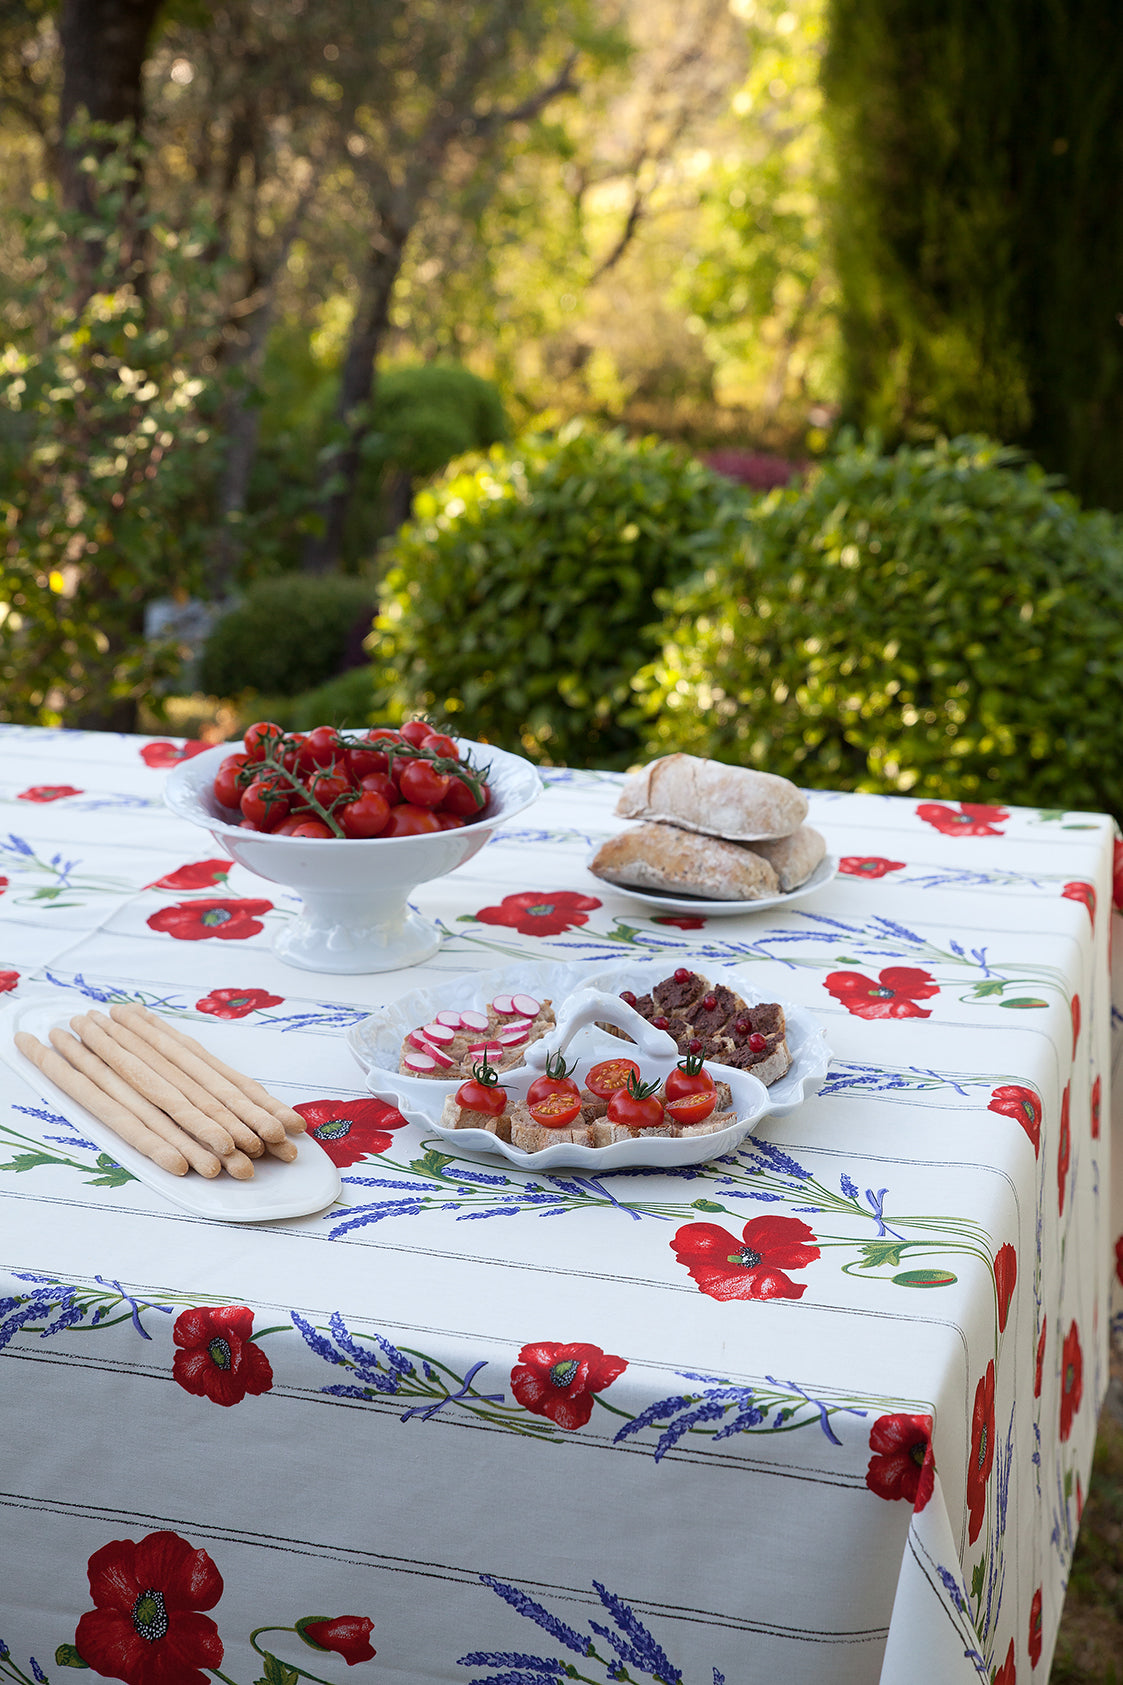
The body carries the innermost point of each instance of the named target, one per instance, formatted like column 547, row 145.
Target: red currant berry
column 757, row 1042
column 743, row 1026
column 661, row 1023
column 695, row 1046
column 682, row 975
column 627, row 997
column 709, row 1002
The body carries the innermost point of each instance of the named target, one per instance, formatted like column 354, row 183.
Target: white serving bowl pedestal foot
column 339, row 932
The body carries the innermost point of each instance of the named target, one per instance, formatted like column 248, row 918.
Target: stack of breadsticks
column 164, row 1094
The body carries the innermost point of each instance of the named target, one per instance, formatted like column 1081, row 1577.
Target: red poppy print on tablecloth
column 347, row 1635
column 48, row 793
column 8, row 980
column 1064, row 1149
column 200, row 874
column 754, row 1267
column 1035, row 1628
column 237, row 1003
column 894, row 995
column 146, row 1626
column 683, row 923
column 1040, row 1366
column 1085, row 894
column 971, row 819
column 1096, row 1102
column 1072, row 1379
column 3, row 885
column 1008, row 1673
column 903, row 1465
column 1022, row 1104
column 350, row 1130
column 868, row 865
column 1075, row 1023
column 197, row 921
column 165, row 754
column 559, row 1381
column 981, row 1460
column 217, row 1358
column 1005, row 1280
column 541, row 912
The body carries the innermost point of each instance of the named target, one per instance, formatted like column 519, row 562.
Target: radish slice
column 489, row 1050
column 452, row 1019
column 503, row 1005
column 526, row 1005
column 513, row 1035
column 417, row 1039
column 424, row 1063
column 473, row 1020
column 439, row 1034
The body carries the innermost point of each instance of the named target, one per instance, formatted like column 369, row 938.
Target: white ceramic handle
column 593, row 1006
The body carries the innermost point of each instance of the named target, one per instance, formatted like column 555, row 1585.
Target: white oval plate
column 702, row 907
column 309, row 1183
column 376, row 1043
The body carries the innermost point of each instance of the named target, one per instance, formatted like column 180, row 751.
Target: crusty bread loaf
column 662, row 857
column 734, row 802
column 793, row 858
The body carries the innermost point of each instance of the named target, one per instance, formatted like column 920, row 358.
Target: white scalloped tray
column 376, row 1043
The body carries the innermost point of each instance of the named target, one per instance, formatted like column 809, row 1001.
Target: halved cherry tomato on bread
column 689, row 1077
column 422, row 784
column 556, row 1111
column 557, row 1080
column 481, row 1092
column 611, row 1075
column 636, row 1107
column 692, row 1108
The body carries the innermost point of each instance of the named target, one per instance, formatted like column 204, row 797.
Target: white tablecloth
column 821, row 1412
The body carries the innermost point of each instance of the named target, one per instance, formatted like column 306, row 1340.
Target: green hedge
column 518, row 602
column 287, row 635
column 942, row 620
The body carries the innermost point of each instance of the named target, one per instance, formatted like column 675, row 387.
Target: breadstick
column 78, row 1055
column 115, row 1116
column 241, row 1136
column 263, row 1123
column 284, row 1149
column 292, row 1121
column 151, row 1084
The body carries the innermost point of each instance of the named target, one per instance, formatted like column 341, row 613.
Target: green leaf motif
column 876, row 1253
column 977, row 1578
column 67, row 1656
column 707, row 1205
column 430, row 1163
column 981, row 990
column 924, row 1278
column 278, row 1673
column 1023, row 1001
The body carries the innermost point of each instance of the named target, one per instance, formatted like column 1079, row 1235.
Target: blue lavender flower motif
column 38, row 1672
column 635, row 1644
column 367, row 1365
column 776, row 1159
column 524, row 1605
column 847, row 1186
column 528, row 1670
column 952, row 1587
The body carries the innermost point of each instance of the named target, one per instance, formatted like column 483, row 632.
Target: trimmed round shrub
column 943, row 620
column 517, row 604
column 288, row 635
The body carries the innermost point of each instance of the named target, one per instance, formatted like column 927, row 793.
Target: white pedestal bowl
column 354, row 916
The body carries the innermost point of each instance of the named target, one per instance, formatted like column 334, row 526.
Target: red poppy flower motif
column 237, row 1003
column 974, row 819
column 1117, row 876
column 1008, row 1672
column 1097, row 1096
column 3, row 885
column 559, row 1381
column 1022, row 1104
column 145, row 1627
column 1040, row 1357
column 347, row 1635
column 47, row 793
column 1075, row 1023
column 541, row 912
column 1079, row 1501
column 1005, row 1278
column 683, row 923
column 868, row 865
column 217, row 1358
column 894, row 995
column 170, row 754
column 1084, row 893
column 200, row 874
column 1035, row 1628
column 349, row 1130
column 982, row 1453
column 1064, row 1150
column 1072, row 1379
column 903, row 1465
column 1119, row 1260
column 754, row 1267
column 196, row 921
column 8, row 980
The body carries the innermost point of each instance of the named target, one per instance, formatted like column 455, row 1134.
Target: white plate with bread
column 728, row 839
column 384, row 1042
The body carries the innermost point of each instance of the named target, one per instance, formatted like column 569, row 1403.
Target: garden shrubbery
column 942, row 620
column 287, row 635
column 519, row 599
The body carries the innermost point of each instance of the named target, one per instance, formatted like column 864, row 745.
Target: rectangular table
column 806, row 1414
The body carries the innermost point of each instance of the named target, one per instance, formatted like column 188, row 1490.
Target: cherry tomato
column 310, row 828
column 635, row 1107
column 416, row 731
column 373, row 748
column 460, row 798
column 409, row 821
column 259, row 737
column 327, row 787
column 611, row 1075
column 227, row 790
column 688, row 1077
column 361, row 761
column 381, row 784
column 290, row 755
column 556, row 1111
column 423, row 784
column 692, row 1108
column 449, row 821
column 438, row 744
column 266, row 801
column 366, row 816
column 557, row 1080
column 482, row 1093
column 321, row 748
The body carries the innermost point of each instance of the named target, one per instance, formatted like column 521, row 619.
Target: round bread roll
column 793, row 858
column 734, row 802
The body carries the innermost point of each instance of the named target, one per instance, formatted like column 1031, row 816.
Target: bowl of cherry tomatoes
column 352, row 821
